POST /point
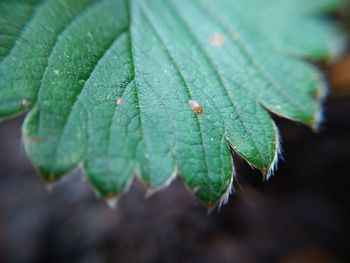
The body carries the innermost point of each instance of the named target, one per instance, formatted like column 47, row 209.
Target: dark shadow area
column 300, row 215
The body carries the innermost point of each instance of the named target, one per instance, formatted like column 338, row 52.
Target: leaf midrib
column 210, row 62
column 128, row 30
column 185, row 86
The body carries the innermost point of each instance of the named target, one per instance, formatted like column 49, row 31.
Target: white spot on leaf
column 57, row 72
column 119, row 101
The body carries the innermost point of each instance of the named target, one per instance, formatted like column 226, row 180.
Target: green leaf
column 108, row 85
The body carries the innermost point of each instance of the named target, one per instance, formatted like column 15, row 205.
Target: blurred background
column 302, row 215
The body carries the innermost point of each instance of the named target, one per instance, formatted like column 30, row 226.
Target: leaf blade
column 109, row 85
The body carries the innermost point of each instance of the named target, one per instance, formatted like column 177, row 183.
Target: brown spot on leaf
column 196, row 107
column 50, row 180
column 111, row 195
column 217, row 40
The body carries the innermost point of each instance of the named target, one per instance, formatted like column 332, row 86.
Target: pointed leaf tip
column 112, row 201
